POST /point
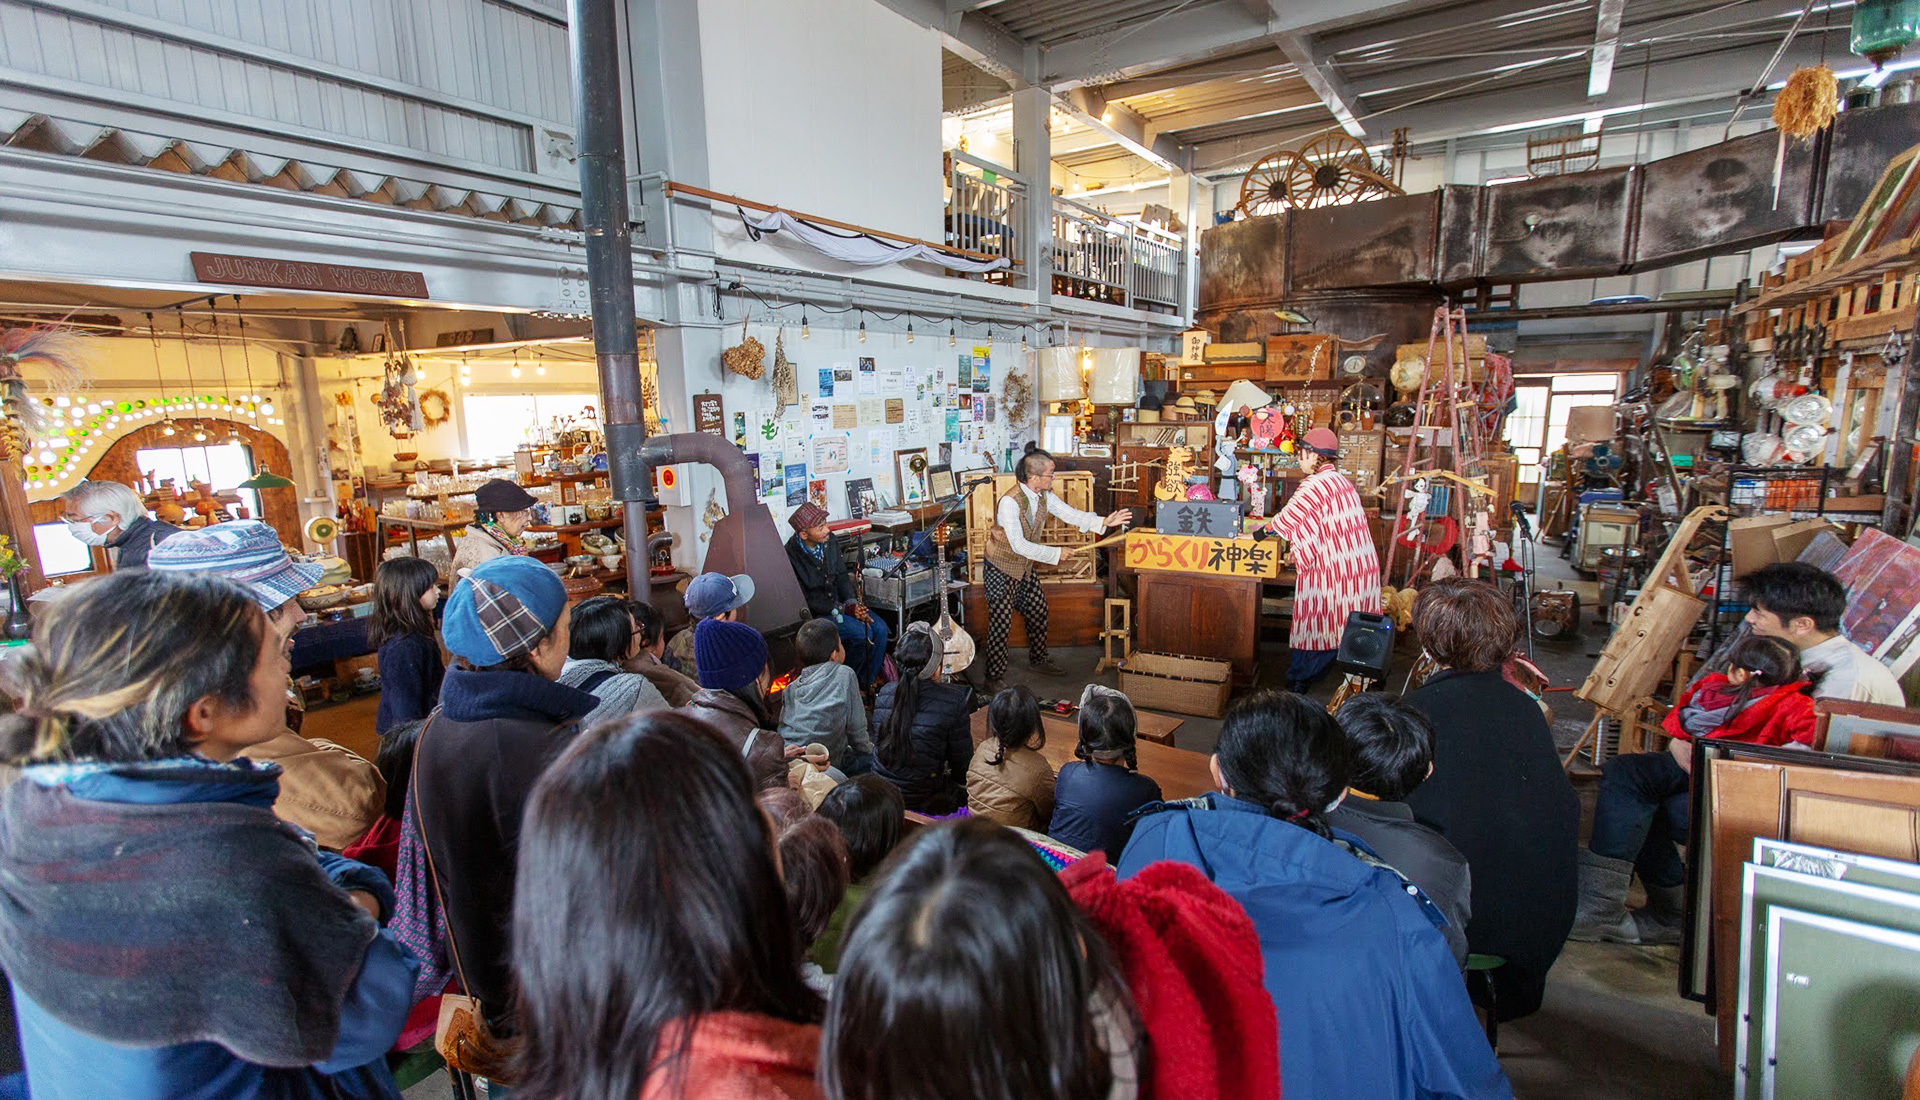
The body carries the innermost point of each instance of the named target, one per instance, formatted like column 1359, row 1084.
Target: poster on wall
column 796, row 481
column 846, row 416
column 826, row 381
column 817, row 492
column 842, row 375
column 873, row 412
column 912, row 467
column 965, row 365
column 740, row 430
column 896, row 410
column 953, row 424
column 860, row 497
column 869, row 377
column 709, row 415
column 830, row 454
column 822, row 416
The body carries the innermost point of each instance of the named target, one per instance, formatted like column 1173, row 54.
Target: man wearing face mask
column 107, row 513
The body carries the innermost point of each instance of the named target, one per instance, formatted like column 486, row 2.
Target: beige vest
column 1000, row 552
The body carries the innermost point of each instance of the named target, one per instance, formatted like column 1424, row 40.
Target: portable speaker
column 1366, row 646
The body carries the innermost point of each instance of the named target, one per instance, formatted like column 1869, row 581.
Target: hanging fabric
column 860, row 249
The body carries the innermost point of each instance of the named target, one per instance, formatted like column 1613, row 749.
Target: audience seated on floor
column 243, row 963
column 1008, row 781
column 1369, row 997
column 1498, row 792
column 1095, row 796
column 822, row 703
column 922, row 732
column 651, row 629
column 601, row 637
column 708, row 596
column 733, row 697
column 403, row 634
column 871, row 817
column 630, row 990
column 1392, row 748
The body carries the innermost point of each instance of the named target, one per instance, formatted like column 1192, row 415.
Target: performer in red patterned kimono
column 1333, row 557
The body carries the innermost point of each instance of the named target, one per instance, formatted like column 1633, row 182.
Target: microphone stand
column 942, row 586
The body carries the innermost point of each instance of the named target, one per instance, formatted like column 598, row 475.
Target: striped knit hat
column 242, row 550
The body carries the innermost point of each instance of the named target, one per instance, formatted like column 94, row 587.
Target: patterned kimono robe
column 1338, row 569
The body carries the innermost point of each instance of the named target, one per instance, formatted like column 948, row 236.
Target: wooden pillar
column 19, row 523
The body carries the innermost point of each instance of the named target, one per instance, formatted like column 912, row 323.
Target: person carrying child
column 1643, row 808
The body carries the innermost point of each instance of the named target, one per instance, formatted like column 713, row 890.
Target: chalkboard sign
column 1206, row 518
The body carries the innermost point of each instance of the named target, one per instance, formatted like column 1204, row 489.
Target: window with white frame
column 1538, row 425
column 221, row 465
column 499, row 422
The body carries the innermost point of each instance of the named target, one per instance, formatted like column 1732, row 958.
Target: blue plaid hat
column 243, row 550
column 502, row 609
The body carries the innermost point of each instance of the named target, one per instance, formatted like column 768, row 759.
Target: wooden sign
column 709, row 415
column 463, row 337
column 265, row 271
column 1158, row 553
column 1193, row 346
column 1302, row 357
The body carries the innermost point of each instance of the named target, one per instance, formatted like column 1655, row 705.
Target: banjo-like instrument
column 958, row 646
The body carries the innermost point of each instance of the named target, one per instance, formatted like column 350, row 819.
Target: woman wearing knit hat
column 502, row 718
column 1337, row 569
column 732, row 661
column 502, row 511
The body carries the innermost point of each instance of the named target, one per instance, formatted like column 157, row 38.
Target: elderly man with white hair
column 109, row 514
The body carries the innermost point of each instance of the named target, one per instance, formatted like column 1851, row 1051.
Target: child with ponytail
column 1368, row 995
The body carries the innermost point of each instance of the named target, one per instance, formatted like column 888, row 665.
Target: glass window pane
column 1586, row 383
column 60, row 552
column 497, row 423
column 221, row 465
column 1564, row 403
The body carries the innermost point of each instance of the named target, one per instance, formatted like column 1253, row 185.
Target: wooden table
column 1181, row 773
column 413, row 528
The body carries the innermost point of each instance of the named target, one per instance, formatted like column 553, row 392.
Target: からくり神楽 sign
column 1159, row 553
column 265, row 271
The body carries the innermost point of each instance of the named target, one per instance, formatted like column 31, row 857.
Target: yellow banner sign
column 1159, row 553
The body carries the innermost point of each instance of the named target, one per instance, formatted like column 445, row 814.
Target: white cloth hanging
column 860, row 249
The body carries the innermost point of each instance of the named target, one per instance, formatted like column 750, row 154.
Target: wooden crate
column 1075, row 487
column 1183, row 685
column 1073, row 615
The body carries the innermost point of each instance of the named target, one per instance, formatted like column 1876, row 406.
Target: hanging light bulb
column 168, row 430
column 803, row 323
column 909, row 330
column 266, row 409
column 951, row 338
column 1023, row 339
column 200, row 435
column 540, row 369
column 863, row 328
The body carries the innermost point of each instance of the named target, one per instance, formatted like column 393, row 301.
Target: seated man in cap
column 709, row 596
column 324, row 788
column 821, row 568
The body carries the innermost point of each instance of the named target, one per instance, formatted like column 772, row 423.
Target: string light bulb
column 803, row 323
column 951, row 338
column 1023, row 340
column 863, row 329
column 540, row 369
column 909, row 330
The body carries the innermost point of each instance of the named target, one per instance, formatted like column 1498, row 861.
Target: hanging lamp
column 264, row 478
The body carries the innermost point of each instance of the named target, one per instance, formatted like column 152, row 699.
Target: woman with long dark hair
column 402, row 631
column 1096, row 795
column 653, row 945
column 1009, row 781
column 921, row 740
column 242, row 962
column 1369, row 997
column 969, row 973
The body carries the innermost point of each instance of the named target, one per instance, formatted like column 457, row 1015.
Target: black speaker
column 1366, row 646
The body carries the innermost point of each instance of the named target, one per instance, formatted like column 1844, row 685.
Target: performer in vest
column 1012, row 548
column 1337, row 568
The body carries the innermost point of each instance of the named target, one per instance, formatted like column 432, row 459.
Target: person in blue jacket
column 166, row 936
column 1369, row 998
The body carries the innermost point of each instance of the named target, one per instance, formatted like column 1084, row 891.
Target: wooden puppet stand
column 1645, row 644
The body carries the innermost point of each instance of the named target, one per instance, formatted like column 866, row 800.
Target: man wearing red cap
column 821, row 568
column 1337, row 569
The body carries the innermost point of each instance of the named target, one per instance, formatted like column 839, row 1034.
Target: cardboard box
column 1184, row 685
column 1790, row 540
column 1590, row 424
column 1751, row 538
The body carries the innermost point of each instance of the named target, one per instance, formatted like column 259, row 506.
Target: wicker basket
column 1183, row 685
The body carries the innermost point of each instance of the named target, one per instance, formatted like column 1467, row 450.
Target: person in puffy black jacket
column 920, row 732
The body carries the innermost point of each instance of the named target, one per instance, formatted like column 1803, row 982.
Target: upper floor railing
column 1107, row 259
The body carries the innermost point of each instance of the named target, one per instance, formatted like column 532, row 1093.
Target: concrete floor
column 1612, row 1027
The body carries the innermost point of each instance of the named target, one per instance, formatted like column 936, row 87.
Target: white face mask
column 85, row 533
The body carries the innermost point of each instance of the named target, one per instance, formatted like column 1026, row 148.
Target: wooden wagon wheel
column 1264, row 189
column 1331, row 169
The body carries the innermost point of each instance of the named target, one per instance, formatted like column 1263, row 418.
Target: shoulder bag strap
column 433, row 875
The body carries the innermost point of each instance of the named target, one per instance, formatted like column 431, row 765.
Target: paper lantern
column 1115, row 379
column 1060, row 378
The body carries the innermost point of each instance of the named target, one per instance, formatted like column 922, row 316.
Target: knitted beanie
column 728, row 655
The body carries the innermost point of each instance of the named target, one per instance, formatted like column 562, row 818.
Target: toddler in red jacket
column 1761, row 698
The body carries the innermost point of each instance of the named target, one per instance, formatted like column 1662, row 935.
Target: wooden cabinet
column 1200, row 616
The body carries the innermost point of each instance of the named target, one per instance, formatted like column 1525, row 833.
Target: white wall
column 828, row 107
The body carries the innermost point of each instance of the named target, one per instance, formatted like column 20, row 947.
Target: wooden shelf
column 576, row 528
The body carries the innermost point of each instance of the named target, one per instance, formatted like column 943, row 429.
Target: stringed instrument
column 958, row 647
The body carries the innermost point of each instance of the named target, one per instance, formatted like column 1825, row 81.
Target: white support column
column 1183, row 196
column 1033, row 149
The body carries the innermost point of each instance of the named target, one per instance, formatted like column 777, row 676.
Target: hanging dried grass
column 1808, row 102
column 748, row 357
column 1018, row 401
column 786, row 384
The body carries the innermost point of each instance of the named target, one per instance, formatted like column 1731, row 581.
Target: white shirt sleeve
column 1066, row 513
column 1008, row 516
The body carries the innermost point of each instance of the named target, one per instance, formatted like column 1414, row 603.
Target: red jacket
column 1782, row 715
column 743, row 1056
column 1191, row 959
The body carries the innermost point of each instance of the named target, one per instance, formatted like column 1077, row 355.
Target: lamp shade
column 1060, row 378
column 1116, row 376
column 266, row 479
column 1243, row 395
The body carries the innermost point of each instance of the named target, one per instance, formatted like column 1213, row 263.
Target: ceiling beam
column 1227, row 156
column 978, row 39
column 959, row 7
column 1118, row 125
column 1190, row 34
column 1326, row 82
column 1606, row 46
column 1432, row 77
column 1230, row 67
column 1285, row 102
